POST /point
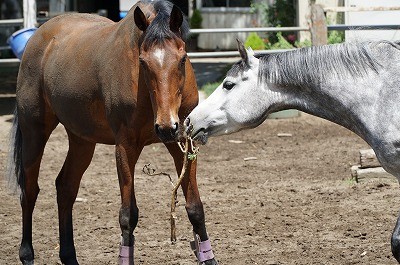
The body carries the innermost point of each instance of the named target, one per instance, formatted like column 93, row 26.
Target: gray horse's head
column 236, row 104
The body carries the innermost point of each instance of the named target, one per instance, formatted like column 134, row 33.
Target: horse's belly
column 86, row 119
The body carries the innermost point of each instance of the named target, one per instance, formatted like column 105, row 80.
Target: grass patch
column 209, row 87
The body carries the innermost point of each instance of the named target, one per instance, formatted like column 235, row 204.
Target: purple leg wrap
column 125, row 255
column 125, row 251
column 202, row 249
column 205, row 251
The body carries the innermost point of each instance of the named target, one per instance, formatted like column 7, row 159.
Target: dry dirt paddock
column 294, row 204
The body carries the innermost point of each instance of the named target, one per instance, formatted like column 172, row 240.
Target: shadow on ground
column 8, row 81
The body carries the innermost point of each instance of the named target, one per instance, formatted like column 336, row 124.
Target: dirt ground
column 294, row 204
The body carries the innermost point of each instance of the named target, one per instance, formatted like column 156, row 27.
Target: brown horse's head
column 163, row 66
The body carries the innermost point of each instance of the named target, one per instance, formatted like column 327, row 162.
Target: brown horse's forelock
column 159, row 29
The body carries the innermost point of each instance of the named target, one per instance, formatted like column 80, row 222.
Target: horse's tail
column 16, row 176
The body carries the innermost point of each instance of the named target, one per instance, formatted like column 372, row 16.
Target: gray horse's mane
column 319, row 64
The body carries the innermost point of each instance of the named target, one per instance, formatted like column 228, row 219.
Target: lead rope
column 202, row 249
column 187, row 155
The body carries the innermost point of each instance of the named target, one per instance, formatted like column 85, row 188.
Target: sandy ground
column 294, row 204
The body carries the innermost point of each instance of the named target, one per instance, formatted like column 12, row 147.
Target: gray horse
column 355, row 85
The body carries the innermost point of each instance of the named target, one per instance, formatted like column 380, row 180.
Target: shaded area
column 210, row 71
column 8, row 81
column 7, row 104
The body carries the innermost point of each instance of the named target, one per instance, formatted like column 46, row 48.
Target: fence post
column 319, row 31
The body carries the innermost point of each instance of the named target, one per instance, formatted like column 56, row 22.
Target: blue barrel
column 19, row 39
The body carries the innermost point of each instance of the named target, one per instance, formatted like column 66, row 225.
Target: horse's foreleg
column 126, row 158
column 194, row 206
column 79, row 156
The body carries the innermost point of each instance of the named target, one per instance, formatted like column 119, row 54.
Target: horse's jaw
column 211, row 118
column 200, row 128
column 195, row 132
column 200, row 137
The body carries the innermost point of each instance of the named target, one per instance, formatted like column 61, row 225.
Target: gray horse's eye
column 228, row 85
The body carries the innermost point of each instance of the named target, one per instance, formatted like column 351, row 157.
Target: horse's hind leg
column 33, row 135
column 79, row 156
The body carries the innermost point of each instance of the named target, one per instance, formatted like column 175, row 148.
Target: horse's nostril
column 175, row 127
column 187, row 122
column 157, row 129
column 168, row 133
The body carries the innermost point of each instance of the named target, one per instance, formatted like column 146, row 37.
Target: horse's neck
column 346, row 103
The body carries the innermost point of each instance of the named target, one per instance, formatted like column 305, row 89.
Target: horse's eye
column 142, row 61
column 183, row 61
column 228, row 85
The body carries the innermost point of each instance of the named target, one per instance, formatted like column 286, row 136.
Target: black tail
column 16, row 176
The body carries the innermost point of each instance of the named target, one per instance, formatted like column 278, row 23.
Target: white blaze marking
column 173, row 120
column 159, row 54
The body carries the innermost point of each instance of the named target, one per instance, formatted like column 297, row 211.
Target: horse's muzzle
column 199, row 136
column 167, row 133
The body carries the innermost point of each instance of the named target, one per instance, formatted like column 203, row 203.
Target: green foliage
column 210, row 87
column 196, row 19
column 257, row 43
column 254, row 41
column 335, row 36
column 282, row 43
column 351, row 181
column 280, row 14
column 302, row 44
column 262, row 8
column 192, row 157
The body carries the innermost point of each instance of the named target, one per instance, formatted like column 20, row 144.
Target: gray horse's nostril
column 187, row 122
column 188, row 126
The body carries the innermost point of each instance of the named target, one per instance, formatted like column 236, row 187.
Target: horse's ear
column 247, row 55
column 175, row 19
column 140, row 19
column 242, row 51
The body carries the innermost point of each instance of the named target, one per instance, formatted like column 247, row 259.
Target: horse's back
column 58, row 70
column 60, row 39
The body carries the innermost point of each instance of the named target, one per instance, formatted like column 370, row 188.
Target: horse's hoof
column 72, row 262
column 209, row 262
column 125, row 261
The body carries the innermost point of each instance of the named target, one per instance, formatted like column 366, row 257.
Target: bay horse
column 128, row 84
column 355, row 85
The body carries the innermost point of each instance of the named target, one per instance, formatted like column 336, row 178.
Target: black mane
column 159, row 29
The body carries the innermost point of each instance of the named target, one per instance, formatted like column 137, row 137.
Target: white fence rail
column 13, row 62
